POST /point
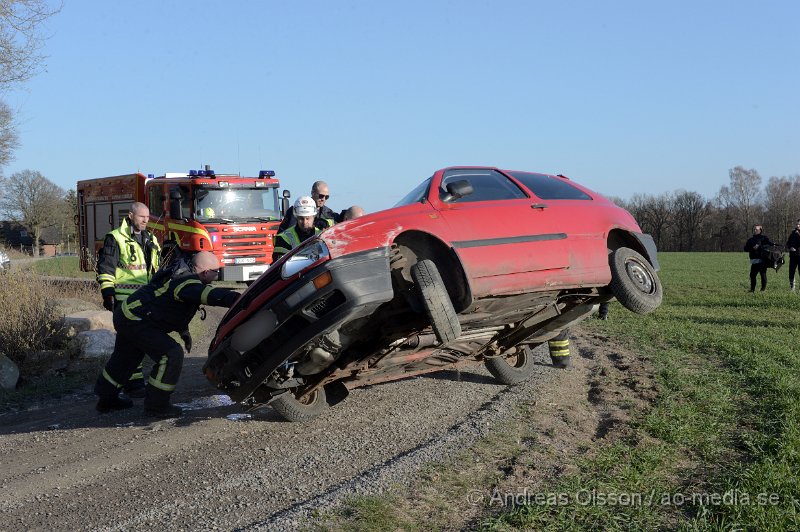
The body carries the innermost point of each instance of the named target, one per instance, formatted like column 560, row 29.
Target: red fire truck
column 234, row 217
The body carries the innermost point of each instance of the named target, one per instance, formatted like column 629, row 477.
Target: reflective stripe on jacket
column 288, row 240
column 170, row 303
column 131, row 271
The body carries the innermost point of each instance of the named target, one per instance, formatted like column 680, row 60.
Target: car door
column 507, row 240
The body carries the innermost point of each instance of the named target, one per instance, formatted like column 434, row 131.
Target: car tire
column 434, row 298
column 514, row 369
column 634, row 282
column 291, row 409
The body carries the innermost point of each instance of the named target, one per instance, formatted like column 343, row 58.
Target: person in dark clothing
column 793, row 246
column 325, row 216
column 143, row 323
column 302, row 230
column 127, row 261
column 757, row 264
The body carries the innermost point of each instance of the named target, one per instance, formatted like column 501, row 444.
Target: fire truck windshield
column 236, row 205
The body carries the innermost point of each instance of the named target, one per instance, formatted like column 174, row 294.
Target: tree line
column 686, row 221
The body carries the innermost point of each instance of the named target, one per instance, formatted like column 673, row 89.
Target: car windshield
column 419, row 193
column 237, row 204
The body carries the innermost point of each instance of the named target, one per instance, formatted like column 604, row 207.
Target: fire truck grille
column 243, row 237
column 244, row 244
column 231, row 242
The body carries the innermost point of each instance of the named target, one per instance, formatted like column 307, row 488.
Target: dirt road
column 63, row 466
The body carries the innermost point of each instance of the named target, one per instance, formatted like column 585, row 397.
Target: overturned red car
column 474, row 264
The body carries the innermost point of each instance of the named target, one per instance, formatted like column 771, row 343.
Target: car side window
column 487, row 185
column 550, row 188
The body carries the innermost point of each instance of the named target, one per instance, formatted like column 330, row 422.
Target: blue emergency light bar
column 266, row 173
column 202, row 173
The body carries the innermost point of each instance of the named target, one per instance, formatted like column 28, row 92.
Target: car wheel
column 513, row 369
column 433, row 296
column 292, row 409
column 634, row 282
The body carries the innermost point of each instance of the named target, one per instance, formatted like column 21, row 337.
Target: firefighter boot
column 156, row 404
column 109, row 398
column 559, row 350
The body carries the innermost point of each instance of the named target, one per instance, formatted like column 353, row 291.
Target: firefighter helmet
column 208, row 212
column 305, row 206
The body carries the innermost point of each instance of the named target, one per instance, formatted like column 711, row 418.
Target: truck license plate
column 244, row 260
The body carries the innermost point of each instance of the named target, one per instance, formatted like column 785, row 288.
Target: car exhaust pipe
column 317, row 360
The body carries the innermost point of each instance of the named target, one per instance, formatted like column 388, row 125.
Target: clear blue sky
column 622, row 96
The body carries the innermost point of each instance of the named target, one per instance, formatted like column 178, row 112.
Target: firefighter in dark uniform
column 757, row 265
column 325, row 216
column 143, row 323
column 793, row 247
column 303, row 229
column 127, row 261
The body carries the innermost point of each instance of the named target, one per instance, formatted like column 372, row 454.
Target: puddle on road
column 239, row 417
column 215, row 401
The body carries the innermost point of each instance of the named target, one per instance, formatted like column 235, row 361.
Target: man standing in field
column 757, row 264
column 127, row 261
column 793, row 246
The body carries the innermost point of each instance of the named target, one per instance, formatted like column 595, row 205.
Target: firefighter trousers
column 136, row 380
column 559, row 350
column 135, row 339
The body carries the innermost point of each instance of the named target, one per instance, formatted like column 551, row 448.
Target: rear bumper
column 360, row 283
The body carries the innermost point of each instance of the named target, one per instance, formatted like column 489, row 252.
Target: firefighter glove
column 230, row 299
column 187, row 340
column 108, row 303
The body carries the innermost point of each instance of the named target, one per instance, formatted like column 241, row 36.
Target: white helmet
column 305, row 206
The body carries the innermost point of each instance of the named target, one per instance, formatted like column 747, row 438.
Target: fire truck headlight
column 304, row 258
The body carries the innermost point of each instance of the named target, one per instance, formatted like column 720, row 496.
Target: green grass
column 720, row 448
column 60, row 267
column 717, row 449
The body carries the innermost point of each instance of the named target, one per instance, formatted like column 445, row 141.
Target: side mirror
column 175, row 209
column 285, row 202
column 457, row 190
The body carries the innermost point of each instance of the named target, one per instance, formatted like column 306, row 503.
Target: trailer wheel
column 433, row 296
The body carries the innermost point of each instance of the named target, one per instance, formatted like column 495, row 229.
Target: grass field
column 60, row 267
column 718, row 449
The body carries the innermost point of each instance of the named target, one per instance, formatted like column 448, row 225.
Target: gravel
column 221, row 467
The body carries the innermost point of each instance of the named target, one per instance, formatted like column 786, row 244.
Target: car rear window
column 487, row 185
column 550, row 188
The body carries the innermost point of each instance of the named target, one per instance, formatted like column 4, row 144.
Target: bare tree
column 21, row 41
column 743, row 196
column 654, row 215
column 32, row 200
column 9, row 141
column 690, row 211
column 778, row 216
column 21, row 38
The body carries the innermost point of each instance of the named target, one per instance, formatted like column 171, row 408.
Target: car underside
column 424, row 287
